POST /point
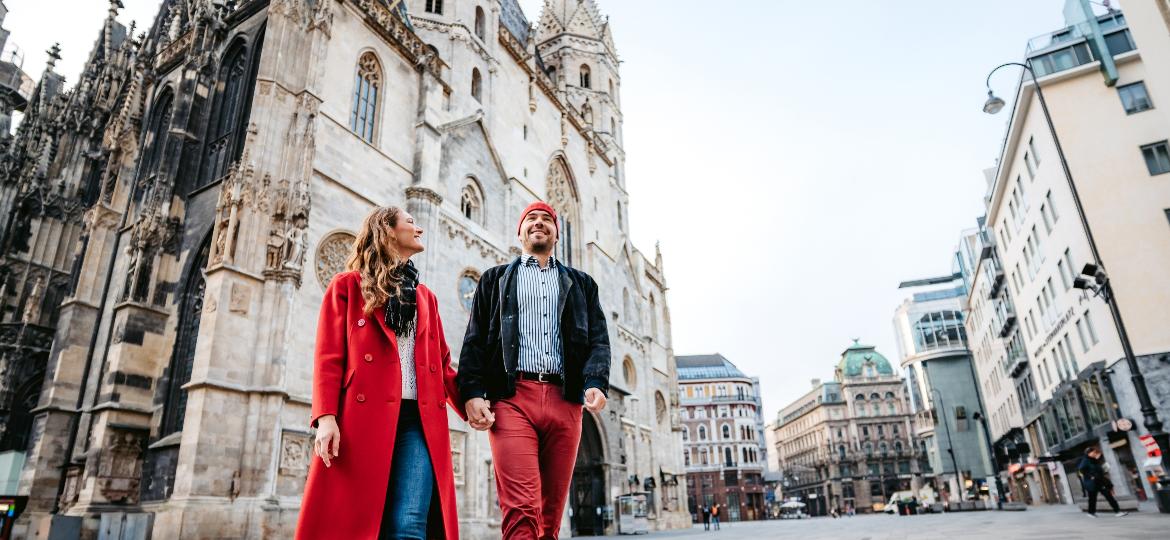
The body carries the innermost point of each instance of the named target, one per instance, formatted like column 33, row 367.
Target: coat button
column 361, row 398
column 361, row 322
column 432, row 368
column 368, row 358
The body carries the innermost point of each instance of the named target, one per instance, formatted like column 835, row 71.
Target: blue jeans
column 412, row 480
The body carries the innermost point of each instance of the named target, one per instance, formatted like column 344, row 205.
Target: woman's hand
column 328, row 441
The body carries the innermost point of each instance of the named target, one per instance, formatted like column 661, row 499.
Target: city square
column 1044, row 523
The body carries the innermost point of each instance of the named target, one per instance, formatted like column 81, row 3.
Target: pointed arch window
column 654, row 318
column 479, row 23
column 476, row 85
column 183, row 354
column 585, row 73
column 367, row 83
column 160, row 124
column 471, row 202
column 229, row 114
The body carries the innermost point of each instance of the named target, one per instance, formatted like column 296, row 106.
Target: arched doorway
column 587, row 492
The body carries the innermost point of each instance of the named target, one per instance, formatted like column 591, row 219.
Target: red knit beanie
column 538, row 205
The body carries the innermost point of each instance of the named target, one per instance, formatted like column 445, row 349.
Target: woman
column 381, row 382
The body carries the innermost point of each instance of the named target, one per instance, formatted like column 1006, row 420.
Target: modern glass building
column 941, row 383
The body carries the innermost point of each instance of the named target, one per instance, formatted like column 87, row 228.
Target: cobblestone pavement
column 1036, row 523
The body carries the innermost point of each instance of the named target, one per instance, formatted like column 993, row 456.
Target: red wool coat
column 357, row 377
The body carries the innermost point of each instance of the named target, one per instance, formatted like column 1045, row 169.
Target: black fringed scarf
column 401, row 309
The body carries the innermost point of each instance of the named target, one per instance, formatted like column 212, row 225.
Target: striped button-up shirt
column 538, row 292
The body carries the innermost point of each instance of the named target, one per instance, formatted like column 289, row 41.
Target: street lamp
column 950, row 442
column 1096, row 270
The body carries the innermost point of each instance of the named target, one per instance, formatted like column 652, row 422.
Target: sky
column 796, row 160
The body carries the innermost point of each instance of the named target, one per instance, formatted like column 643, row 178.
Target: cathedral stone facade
column 171, row 220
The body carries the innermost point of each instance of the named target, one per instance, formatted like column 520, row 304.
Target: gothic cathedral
column 169, row 223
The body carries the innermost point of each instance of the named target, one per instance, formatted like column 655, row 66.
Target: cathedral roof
column 857, row 357
column 512, row 17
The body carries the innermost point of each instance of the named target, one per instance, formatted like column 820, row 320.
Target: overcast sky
column 797, row 160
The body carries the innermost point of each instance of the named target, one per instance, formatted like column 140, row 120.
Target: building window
column 630, row 373
column 686, row 433
column 434, row 6
column 479, row 22
column 726, row 431
column 367, row 82
column 1032, row 151
column 476, row 85
column 702, row 433
column 226, row 126
column 1052, row 207
column 1134, row 97
column 1028, row 164
column 585, row 76
column 1091, row 329
column 471, row 202
column 1157, row 157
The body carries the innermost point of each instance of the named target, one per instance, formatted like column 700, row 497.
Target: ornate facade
column 848, row 443
column 171, row 221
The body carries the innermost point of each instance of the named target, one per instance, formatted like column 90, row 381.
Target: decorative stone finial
column 54, row 55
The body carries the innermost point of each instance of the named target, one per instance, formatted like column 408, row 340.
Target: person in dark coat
column 706, row 518
column 1095, row 480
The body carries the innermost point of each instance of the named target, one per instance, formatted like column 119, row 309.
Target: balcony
column 708, row 400
column 1071, row 47
column 1009, row 321
column 1016, row 362
column 997, row 281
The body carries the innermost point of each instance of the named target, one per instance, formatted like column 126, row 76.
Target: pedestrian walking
column 706, row 518
column 715, row 511
column 1094, row 480
column 382, row 378
column 536, row 349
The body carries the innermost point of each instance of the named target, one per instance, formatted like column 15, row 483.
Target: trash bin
column 1162, row 494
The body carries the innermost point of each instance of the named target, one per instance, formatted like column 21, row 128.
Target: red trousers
column 534, row 447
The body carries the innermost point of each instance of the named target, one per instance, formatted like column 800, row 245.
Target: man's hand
column 327, row 444
column 479, row 414
column 594, row 400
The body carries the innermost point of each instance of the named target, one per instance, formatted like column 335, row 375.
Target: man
column 706, row 518
column 1094, row 480
column 536, row 349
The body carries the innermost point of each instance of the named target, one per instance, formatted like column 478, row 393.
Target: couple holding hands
column 536, row 350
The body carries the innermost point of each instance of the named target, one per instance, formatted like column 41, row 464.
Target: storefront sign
column 1056, row 328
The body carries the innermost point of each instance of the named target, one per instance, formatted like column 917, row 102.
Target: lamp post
column 950, row 442
column 1096, row 271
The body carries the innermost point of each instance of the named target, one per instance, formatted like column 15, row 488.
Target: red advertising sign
column 1151, row 445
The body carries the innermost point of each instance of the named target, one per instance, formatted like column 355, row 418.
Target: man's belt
column 550, row 378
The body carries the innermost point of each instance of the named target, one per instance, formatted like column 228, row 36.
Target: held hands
column 479, row 414
column 328, row 441
column 594, row 400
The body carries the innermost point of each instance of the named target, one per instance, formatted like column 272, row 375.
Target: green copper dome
column 858, row 357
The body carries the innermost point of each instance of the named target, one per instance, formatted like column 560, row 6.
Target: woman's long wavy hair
column 375, row 257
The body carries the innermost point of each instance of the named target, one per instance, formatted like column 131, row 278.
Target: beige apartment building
column 724, row 446
column 848, row 443
column 1049, row 360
